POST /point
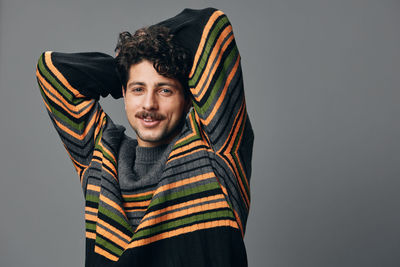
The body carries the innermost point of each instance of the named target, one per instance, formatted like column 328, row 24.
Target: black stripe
column 185, row 225
column 187, row 151
column 91, row 204
column 218, row 71
column 230, row 106
column 213, row 44
column 114, row 223
column 239, row 114
column 183, row 217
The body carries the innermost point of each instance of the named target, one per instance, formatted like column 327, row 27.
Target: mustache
column 152, row 115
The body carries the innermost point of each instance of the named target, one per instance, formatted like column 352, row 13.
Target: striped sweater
column 194, row 213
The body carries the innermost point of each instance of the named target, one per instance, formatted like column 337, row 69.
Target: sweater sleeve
column 216, row 84
column 70, row 85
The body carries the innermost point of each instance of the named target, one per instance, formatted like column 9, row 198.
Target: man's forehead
column 145, row 83
column 144, row 73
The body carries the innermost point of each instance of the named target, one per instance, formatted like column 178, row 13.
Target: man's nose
column 150, row 102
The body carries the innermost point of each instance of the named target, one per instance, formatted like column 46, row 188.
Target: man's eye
column 165, row 91
column 137, row 89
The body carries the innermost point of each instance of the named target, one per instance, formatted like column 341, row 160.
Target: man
column 179, row 194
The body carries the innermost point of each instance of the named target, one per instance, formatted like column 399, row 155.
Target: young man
column 179, row 194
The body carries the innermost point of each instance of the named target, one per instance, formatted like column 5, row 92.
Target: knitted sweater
column 193, row 211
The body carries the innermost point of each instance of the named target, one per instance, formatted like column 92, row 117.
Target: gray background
column 322, row 86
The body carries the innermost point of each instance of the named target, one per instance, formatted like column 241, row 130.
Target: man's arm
column 70, row 85
column 216, row 84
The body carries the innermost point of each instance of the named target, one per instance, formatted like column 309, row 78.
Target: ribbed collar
column 149, row 154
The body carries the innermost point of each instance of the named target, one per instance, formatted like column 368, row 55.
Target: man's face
column 154, row 105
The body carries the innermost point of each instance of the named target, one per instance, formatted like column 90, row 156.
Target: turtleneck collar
column 149, row 155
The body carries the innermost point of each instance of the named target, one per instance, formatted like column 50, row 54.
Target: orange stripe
column 60, row 100
column 210, row 62
column 183, row 230
column 90, row 235
column 135, row 210
column 223, row 189
column 186, row 147
column 190, row 135
column 82, row 175
column 236, row 129
column 184, row 204
column 89, row 209
column 111, row 237
column 97, row 153
column 101, row 122
column 112, row 174
column 203, row 39
column 112, row 204
column 229, row 156
column 137, row 204
column 184, row 182
column 109, row 164
column 58, row 74
column 104, row 253
column 242, row 122
column 93, row 187
column 72, row 133
column 240, row 163
column 139, row 194
column 180, row 213
column 112, row 228
column 191, row 152
column 90, row 217
column 93, row 218
column 223, row 93
column 108, row 152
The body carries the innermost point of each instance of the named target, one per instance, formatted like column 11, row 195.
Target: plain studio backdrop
column 322, row 85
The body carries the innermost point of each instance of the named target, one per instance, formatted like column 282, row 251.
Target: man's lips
column 149, row 123
column 149, row 119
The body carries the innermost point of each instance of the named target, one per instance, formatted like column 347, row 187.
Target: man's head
column 153, row 71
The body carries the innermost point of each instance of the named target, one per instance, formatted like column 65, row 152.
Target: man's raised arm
column 70, row 85
column 216, row 84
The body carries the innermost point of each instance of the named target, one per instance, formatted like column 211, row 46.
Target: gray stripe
column 183, row 208
column 214, row 62
column 114, row 233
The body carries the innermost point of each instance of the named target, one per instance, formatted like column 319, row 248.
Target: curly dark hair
column 155, row 44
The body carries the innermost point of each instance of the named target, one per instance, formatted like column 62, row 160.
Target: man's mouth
column 144, row 115
column 150, row 119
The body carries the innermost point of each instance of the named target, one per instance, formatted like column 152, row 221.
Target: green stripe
column 141, row 198
column 92, row 198
column 115, row 217
column 219, row 83
column 208, row 47
column 61, row 89
column 196, row 136
column 188, row 220
column 97, row 146
column 108, row 245
column 60, row 116
column 183, row 193
column 90, row 226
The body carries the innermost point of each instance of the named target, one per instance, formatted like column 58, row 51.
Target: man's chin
column 150, row 140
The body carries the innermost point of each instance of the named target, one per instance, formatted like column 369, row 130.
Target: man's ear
column 123, row 91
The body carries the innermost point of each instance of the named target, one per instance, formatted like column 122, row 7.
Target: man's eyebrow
column 157, row 84
column 135, row 83
column 166, row 84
